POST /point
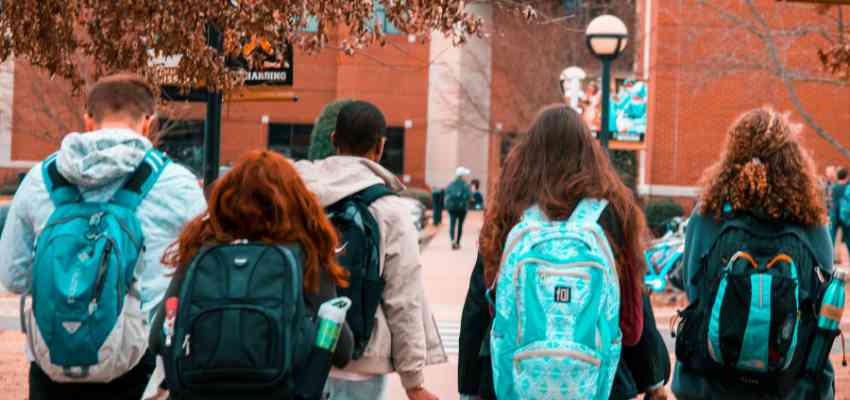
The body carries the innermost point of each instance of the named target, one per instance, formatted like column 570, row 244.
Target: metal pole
column 212, row 124
column 604, row 133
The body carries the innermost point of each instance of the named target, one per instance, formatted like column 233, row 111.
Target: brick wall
column 394, row 77
column 690, row 110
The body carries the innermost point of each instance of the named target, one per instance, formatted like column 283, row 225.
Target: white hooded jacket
column 97, row 163
column 405, row 337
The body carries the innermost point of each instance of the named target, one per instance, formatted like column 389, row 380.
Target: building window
column 183, row 142
column 393, row 158
column 291, row 140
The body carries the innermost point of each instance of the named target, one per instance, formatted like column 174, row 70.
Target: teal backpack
column 85, row 323
column 556, row 331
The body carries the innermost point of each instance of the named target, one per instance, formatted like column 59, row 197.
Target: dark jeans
column 130, row 386
column 456, row 219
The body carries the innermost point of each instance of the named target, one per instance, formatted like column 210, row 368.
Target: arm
column 475, row 322
column 403, row 293
column 648, row 360
column 18, row 241
column 631, row 282
column 345, row 344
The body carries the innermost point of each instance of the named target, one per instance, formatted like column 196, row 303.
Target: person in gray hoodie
column 405, row 337
column 120, row 111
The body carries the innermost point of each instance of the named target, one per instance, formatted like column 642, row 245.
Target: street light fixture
column 607, row 37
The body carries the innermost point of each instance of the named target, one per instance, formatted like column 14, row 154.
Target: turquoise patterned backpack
column 556, row 331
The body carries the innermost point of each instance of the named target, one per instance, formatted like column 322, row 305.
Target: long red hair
column 264, row 200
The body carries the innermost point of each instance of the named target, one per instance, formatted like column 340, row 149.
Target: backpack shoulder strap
column 140, row 182
column 373, row 193
column 61, row 191
column 587, row 212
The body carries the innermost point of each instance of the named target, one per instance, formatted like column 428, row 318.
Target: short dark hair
column 122, row 94
column 841, row 174
column 360, row 126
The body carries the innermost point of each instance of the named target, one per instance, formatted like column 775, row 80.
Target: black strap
column 135, row 182
column 57, row 178
column 373, row 193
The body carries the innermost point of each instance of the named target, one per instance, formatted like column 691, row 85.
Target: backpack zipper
column 556, row 353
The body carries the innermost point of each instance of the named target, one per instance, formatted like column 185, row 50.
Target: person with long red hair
column 263, row 200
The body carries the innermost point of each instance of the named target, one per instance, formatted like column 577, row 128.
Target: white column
column 459, row 106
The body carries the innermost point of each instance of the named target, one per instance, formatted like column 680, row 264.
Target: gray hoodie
column 405, row 337
column 97, row 163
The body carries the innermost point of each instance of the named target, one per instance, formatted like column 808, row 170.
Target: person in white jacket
column 405, row 338
column 120, row 110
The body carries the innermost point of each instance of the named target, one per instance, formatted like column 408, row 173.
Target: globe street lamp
column 607, row 37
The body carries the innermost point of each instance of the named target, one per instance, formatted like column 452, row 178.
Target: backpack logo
column 71, row 326
column 563, row 294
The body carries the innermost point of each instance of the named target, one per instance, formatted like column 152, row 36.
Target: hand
column 658, row 394
column 420, row 393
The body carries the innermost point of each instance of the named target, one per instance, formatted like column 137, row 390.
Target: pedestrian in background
column 111, row 165
column 458, row 197
column 757, row 255
column 836, row 193
column 477, row 196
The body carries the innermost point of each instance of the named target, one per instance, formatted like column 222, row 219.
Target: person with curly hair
column 762, row 196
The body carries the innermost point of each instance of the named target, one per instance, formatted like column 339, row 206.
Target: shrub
column 320, row 138
column 659, row 212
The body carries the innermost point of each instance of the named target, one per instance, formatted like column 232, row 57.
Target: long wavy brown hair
column 263, row 199
column 764, row 168
column 555, row 165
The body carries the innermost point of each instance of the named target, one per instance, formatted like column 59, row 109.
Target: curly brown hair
column 555, row 165
column 764, row 168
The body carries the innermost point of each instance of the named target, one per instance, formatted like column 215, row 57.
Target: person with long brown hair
column 555, row 167
column 760, row 207
column 264, row 200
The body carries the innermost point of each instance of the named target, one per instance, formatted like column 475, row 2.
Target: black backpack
column 360, row 240
column 242, row 327
column 754, row 319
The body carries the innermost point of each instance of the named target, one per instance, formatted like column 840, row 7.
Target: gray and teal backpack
column 85, row 322
column 754, row 317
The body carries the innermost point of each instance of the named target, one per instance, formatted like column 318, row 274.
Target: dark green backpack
column 458, row 196
column 360, row 240
column 242, row 326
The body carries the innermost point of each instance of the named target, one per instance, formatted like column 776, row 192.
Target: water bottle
column 829, row 321
column 331, row 316
column 832, row 307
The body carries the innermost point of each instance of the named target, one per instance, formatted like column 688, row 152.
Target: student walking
column 458, row 199
column 83, row 241
column 757, row 257
column 229, row 328
column 565, row 258
column 393, row 328
column 839, row 205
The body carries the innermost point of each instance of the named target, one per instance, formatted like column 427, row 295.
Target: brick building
column 706, row 64
column 446, row 106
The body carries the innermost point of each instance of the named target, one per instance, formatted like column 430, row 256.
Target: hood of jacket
column 337, row 177
column 98, row 158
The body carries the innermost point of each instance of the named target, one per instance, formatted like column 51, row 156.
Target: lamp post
column 607, row 37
